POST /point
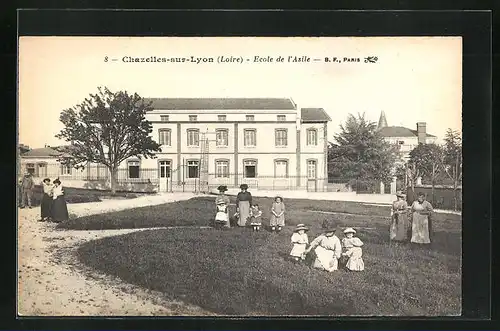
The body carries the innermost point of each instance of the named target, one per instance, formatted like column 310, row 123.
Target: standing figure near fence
column 222, row 204
column 27, row 186
column 421, row 219
column 277, row 214
column 46, row 204
column 59, row 207
column 399, row 219
column 243, row 203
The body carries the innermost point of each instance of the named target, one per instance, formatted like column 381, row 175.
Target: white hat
column 349, row 230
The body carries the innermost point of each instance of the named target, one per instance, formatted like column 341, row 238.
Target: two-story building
column 264, row 142
column 406, row 139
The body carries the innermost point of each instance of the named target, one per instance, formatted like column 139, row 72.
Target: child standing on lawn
column 277, row 214
column 352, row 250
column 300, row 242
column 255, row 217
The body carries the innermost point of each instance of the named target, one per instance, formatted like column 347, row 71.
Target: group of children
column 351, row 248
column 277, row 221
column 351, row 253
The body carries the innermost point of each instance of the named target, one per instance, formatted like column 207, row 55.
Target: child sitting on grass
column 352, row 251
column 255, row 217
column 300, row 242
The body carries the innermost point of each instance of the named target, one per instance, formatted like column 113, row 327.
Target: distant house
column 406, row 139
column 43, row 162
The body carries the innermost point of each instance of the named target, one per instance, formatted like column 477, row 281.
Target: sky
column 415, row 79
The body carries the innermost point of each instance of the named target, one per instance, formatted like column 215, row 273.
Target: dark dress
column 243, row 202
column 47, row 201
column 59, row 208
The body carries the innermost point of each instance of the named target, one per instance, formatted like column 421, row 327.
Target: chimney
column 421, row 132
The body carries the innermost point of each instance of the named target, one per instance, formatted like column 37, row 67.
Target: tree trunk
column 432, row 193
column 113, row 172
column 455, row 200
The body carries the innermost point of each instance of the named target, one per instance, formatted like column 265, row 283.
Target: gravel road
column 51, row 281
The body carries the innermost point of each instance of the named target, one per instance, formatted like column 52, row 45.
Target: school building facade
column 267, row 143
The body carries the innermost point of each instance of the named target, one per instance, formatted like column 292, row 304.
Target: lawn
column 238, row 272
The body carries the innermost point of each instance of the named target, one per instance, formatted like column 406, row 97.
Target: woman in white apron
column 328, row 249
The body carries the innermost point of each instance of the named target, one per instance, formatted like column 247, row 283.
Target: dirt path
column 51, row 282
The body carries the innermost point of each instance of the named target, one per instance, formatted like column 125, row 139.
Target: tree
column 452, row 161
column 23, row 148
column 428, row 158
column 360, row 152
column 107, row 128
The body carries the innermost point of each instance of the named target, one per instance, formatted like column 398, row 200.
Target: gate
column 312, row 185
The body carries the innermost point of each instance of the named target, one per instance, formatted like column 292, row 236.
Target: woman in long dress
column 421, row 213
column 222, row 205
column 399, row 220
column 59, row 207
column 243, row 203
column 328, row 249
column 46, row 204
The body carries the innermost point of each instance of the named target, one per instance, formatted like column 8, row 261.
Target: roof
column 222, row 103
column 314, row 115
column 42, row 152
column 400, row 131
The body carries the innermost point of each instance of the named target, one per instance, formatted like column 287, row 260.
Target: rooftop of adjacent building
column 398, row 131
column 306, row 114
column 46, row 151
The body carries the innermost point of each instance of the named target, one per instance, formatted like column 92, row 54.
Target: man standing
column 27, row 186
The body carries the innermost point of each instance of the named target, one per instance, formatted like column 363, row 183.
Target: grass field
column 238, row 272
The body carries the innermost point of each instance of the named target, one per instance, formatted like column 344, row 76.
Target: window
column 250, row 118
column 164, row 118
column 311, row 169
column 221, row 137
column 193, row 169
column 281, row 137
column 280, row 168
column 165, row 169
column 65, row 169
column 42, row 170
column 30, row 168
column 193, row 118
column 312, row 137
column 401, row 142
column 165, row 137
column 250, row 168
column 133, row 169
column 221, row 168
column 221, row 118
column 193, row 137
column 250, row 137
column 281, row 118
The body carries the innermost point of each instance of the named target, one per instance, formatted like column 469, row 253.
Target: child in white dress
column 352, row 251
column 221, row 217
column 255, row 217
column 300, row 242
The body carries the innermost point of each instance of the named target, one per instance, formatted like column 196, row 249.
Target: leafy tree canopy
column 360, row 152
column 107, row 128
